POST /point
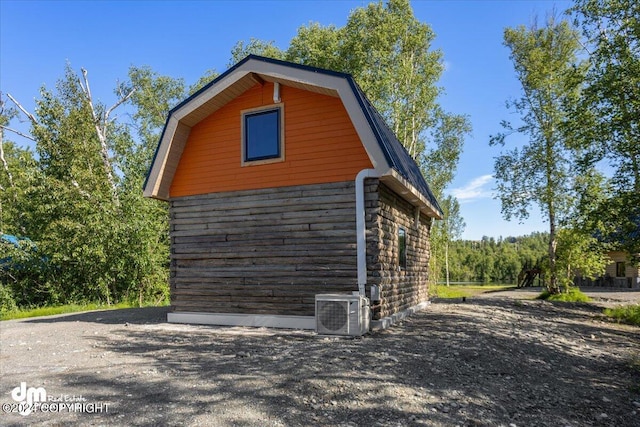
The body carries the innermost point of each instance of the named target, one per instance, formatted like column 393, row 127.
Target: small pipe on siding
column 361, row 228
column 276, row 92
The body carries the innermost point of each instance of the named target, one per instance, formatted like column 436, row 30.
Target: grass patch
column 60, row 309
column 572, row 295
column 459, row 291
column 626, row 314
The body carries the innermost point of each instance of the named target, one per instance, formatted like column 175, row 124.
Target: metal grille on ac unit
column 342, row 314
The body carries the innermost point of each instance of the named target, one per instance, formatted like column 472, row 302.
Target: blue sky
column 186, row 38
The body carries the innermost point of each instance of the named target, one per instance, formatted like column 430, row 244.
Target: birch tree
column 540, row 171
column 18, row 166
column 443, row 233
column 607, row 119
column 389, row 53
column 83, row 205
column 103, row 123
column 154, row 96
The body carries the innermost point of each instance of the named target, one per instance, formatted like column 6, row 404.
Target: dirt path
column 490, row 361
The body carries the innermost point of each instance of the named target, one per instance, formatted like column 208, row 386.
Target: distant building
column 620, row 273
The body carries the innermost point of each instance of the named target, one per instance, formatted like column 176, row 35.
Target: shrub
column 627, row 314
column 571, row 295
column 7, row 302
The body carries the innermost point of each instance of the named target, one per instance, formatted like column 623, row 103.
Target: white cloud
column 477, row 188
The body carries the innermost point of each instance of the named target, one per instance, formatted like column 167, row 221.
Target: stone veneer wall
column 386, row 212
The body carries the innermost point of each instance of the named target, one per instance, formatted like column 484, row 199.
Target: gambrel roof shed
column 275, row 174
column 390, row 160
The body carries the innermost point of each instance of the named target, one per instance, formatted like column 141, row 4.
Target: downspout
column 361, row 228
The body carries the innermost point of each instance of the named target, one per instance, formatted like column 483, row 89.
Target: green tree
column 153, row 97
column 389, row 53
column 206, row 78
column 541, row 172
column 80, row 201
column 607, row 120
column 318, row 46
column 445, row 231
column 17, row 261
column 500, row 261
column 578, row 254
column 17, row 169
column 6, row 114
column 254, row 47
column 20, row 171
column 75, row 215
column 148, row 233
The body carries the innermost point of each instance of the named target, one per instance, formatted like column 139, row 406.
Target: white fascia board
column 152, row 189
column 155, row 175
column 363, row 128
column 279, row 72
column 208, row 94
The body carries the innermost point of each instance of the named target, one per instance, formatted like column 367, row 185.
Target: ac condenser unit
column 342, row 314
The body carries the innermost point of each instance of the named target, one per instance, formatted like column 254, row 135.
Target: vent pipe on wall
column 276, row 92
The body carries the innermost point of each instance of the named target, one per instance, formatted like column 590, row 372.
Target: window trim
column 243, row 143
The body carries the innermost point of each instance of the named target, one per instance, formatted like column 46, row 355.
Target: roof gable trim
column 385, row 152
column 159, row 177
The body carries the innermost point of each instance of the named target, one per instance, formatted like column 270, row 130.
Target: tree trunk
column 101, row 125
column 446, row 260
column 433, row 273
column 3, row 160
column 552, row 286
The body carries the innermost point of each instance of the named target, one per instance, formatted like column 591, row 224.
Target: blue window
column 262, row 135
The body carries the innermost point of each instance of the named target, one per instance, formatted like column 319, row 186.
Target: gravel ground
column 500, row 359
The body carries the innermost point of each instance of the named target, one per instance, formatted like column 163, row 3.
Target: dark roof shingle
column 396, row 154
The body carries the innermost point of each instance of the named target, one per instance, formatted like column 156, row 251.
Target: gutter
column 361, row 239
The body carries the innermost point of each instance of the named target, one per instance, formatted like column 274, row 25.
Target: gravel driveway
column 499, row 359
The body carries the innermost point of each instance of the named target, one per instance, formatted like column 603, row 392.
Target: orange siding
column 320, row 146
